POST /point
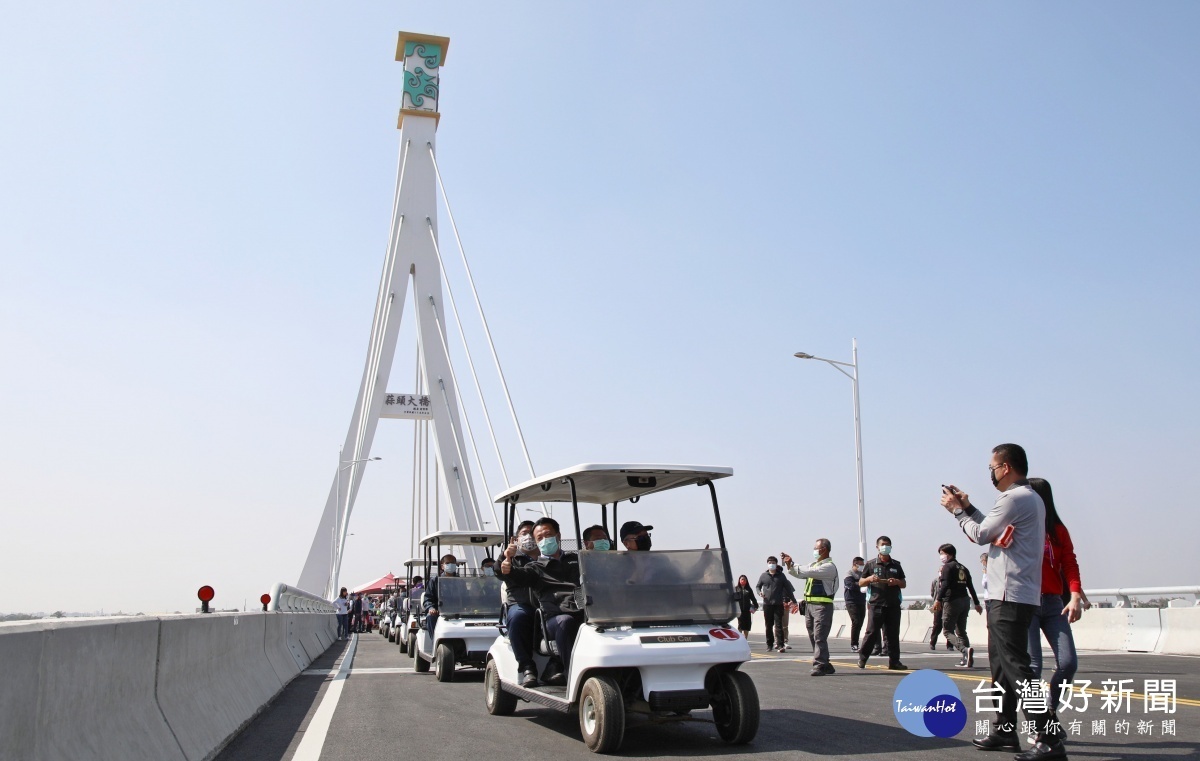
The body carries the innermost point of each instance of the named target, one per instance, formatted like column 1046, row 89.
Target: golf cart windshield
column 658, row 587
column 470, row 597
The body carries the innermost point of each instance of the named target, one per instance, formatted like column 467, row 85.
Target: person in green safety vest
column 821, row 583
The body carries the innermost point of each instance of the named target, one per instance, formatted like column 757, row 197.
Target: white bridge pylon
column 413, row 258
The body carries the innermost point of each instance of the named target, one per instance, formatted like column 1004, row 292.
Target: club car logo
column 927, row 703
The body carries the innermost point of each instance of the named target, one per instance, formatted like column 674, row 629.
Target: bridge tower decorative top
column 422, row 56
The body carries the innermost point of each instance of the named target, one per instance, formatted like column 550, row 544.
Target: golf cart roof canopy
column 605, row 484
column 464, row 538
column 414, row 562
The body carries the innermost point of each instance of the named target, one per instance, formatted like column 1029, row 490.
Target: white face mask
column 945, row 559
column 489, row 571
column 771, row 566
column 816, row 554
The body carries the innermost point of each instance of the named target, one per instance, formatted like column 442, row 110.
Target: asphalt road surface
column 362, row 700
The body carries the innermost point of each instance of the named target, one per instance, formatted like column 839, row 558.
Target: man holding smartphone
column 1015, row 528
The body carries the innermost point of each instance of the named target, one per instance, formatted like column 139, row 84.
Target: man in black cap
column 635, row 536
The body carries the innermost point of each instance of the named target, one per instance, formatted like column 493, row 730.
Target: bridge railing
column 289, row 599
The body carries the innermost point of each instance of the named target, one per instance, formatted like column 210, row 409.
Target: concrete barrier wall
column 1170, row 631
column 170, row 688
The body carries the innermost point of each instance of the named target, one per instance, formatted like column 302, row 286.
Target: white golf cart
column 655, row 638
column 469, row 604
column 408, row 607
column 389, row 618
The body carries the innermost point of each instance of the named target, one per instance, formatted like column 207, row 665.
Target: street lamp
column 836, row 365
column 339, row 524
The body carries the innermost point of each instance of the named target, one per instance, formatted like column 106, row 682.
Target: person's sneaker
column 1043, row 749
column 786, row 646
column 818, row 672
column 897, row 666
column 862, row 663
column 828, row 669
column 970, row 657
column 962, row 663
column 528, row 678
column 854, row 648
column 933, row 646
column 998, row 741
column 949, row 646
column 770, row 648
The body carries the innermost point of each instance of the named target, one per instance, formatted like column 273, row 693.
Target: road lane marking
column 313, row 741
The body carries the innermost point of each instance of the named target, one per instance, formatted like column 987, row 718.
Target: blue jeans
column 343, row 625
column 1049, row 620
column 520, row 623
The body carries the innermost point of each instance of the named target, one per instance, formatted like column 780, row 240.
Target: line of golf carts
column 654, row 640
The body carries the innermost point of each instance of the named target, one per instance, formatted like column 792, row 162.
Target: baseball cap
column 633, row 527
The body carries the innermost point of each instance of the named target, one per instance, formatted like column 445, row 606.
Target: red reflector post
column 206, row 594
column 265, row 600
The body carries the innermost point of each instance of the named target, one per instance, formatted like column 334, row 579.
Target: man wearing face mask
column 1015, row 529
column 521, row 603
column 885, row 577
column 820, row 585
column 856, row 601
column 447, row 567
column 553, row 578
column 596, row 538
column 772, row 588
column 635, row 536
column 487, row 567
column 952, row 605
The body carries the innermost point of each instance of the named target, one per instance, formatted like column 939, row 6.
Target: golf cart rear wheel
column 499, row 702
column 443, row 659
column 412, row 644
column 601, row 715
column 735, row 707
column 401, row 638
column 421, row 665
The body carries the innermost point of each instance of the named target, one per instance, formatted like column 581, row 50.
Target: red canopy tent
column 379, row 585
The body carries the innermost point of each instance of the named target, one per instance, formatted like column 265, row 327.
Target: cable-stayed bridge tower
column 413, row 259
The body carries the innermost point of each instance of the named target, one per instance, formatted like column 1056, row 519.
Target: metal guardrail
column 1123, row 594
column 288, row 599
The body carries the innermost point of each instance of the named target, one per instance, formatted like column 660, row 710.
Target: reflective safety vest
column 823, row 591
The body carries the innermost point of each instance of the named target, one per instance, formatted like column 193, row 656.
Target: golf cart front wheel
column 601, row 715
column 443, row 659
column 735, row 707
column 412, row 644
column 499, row 702
column 402, row 640
column 421, row 666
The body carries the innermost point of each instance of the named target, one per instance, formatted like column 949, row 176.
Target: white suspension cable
column 470, row 363
column 414, row 509
column 466, row 418
column 459, row 471
column 487, row 330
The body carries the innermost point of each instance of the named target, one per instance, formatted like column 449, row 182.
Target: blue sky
column 661, row 204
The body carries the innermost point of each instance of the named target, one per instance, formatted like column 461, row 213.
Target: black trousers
column 954, row 613
column 937, row 629
column 1008, row 654
column 857, row 614
column 772, row 618
column 883, row 623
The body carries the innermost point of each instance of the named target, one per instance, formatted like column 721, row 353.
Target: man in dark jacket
column 856, row 601
column 447, row 567
column 885, row 578
column 521, row 603
column 773, row 587
column 553, row 578
column 952, row 604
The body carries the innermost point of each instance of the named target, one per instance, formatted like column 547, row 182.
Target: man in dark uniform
column 885, row 578
column 856, row 601
column 951, row 602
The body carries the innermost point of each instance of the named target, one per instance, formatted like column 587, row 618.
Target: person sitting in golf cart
column 553, row 579
column 447, row 567
column 487, row 567
column 520, row 603
column 596, row 538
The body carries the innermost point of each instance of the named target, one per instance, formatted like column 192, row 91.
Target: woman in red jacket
column 1060, row 578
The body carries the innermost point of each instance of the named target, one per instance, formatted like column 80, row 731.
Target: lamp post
column 836, row 365
column 338, row 540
